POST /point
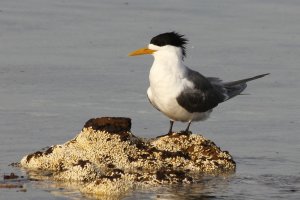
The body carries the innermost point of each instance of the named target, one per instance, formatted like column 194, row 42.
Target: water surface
column 64, row 62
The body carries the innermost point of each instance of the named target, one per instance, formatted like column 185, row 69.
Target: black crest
column 170, row 38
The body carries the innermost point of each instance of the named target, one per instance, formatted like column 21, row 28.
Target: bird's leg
column 170, row 130
column 186, row 131
column 171, row 127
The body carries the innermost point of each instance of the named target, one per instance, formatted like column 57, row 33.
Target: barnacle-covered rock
column 105, row 158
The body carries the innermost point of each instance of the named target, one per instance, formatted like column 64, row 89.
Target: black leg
column 188, row 127
column 171, row 127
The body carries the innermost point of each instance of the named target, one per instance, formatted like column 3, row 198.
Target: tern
column 179, row 92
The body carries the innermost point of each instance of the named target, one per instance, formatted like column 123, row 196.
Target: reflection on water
column 236, row 187
column 206, row 189
column 242, row 185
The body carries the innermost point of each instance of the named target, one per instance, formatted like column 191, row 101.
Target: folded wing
column 208, row 92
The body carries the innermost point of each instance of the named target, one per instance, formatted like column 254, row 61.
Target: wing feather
column 202, row 97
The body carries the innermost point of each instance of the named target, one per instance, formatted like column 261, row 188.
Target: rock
column 110, row 124
column 107, row 159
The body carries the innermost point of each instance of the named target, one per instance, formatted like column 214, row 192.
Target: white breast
column 167, row 80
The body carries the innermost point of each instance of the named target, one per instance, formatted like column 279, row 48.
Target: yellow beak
column 141, row 52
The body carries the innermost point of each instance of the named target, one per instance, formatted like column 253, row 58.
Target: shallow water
column 63, row 62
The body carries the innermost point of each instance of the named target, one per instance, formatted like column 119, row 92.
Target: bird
column 177, row 91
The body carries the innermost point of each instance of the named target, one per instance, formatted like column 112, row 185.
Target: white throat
column 168, row 61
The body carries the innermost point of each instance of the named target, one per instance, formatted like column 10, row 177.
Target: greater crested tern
column 179, row 92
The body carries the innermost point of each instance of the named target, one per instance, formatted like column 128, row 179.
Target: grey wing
column 194, row 100
column 202, row 97
column 210, row 91
column 230, row 89
column 218, row 85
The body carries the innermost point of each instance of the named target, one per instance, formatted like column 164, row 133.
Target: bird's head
column 164, row 43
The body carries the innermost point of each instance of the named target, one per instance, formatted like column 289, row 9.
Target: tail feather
column 244, row 80
column 235, row 88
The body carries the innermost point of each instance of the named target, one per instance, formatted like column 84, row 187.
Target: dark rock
column 110, row 124
column 34, row 155
column 11, row 176
column 49, row 151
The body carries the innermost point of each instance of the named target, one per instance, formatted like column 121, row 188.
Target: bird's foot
column 168, row 134
column 185, row 132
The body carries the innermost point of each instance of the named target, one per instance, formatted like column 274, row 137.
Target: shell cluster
column 105, row 158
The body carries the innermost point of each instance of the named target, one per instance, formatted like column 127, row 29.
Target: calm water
column 64, row 62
